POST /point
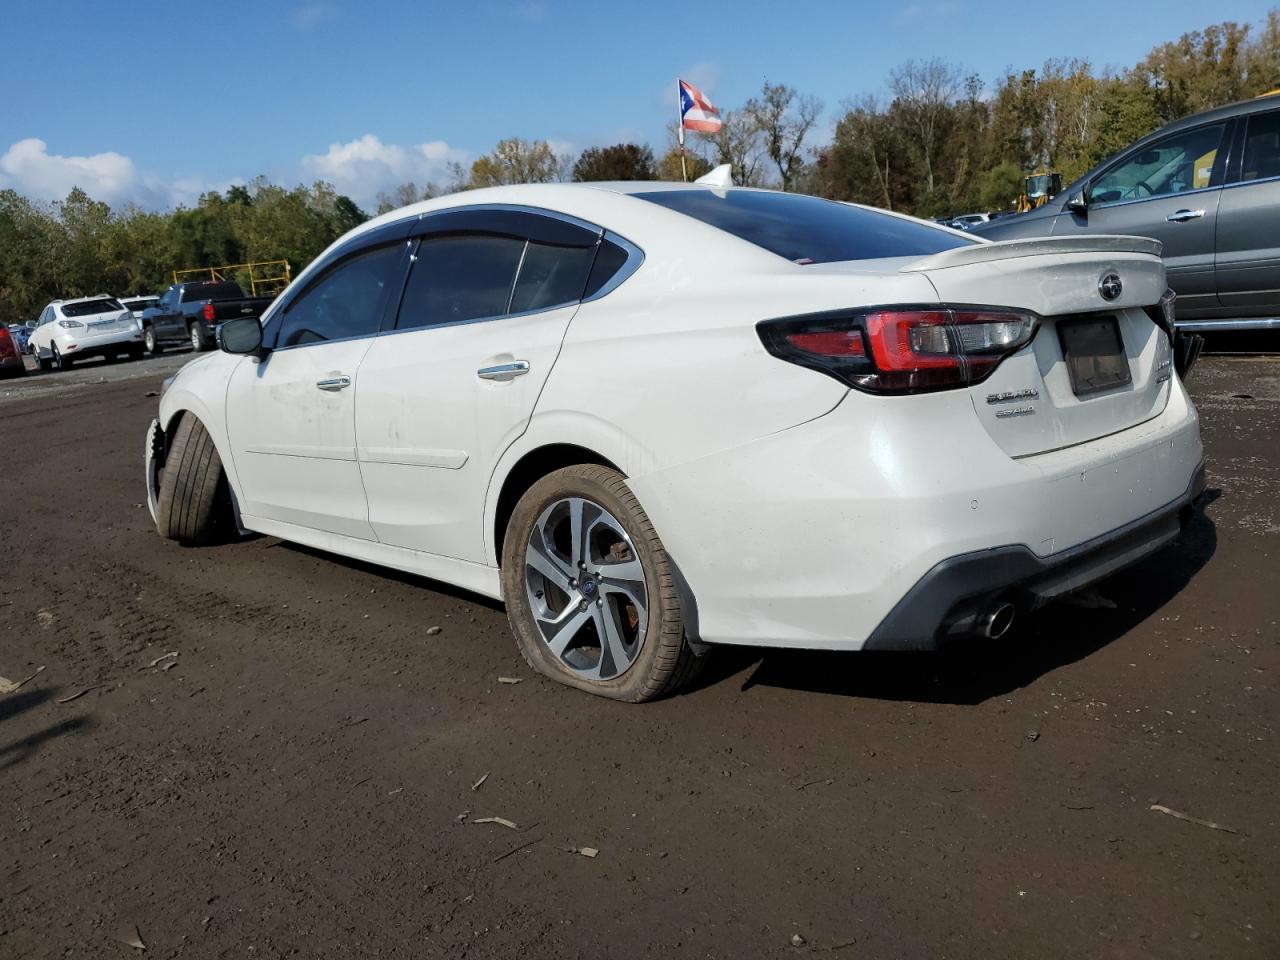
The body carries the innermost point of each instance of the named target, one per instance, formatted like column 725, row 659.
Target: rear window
column 222, row 290
column 807, row 229
column 139, row 303
column 88, row 308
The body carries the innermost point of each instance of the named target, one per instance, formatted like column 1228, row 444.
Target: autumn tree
column 784, row 120
column 517, row 161
column 923, row 92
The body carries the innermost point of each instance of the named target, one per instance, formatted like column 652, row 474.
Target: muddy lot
column 298, row 779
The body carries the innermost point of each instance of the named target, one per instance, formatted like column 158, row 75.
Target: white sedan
column 69, row 330
column 654, row 418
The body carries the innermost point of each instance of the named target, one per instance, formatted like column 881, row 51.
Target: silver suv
column 1208, row 188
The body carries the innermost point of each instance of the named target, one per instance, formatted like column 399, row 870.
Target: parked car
column 70, row 330
column 136, row 305
column 190, row 313
column 21, row 334
column 1208, row 188
column 657, row 417
column 11, row 364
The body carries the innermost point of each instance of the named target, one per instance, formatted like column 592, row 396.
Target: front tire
column 194, row 503
column 591, row 594
column 150, row 342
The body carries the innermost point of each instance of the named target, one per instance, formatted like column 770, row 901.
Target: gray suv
column 1208, row 188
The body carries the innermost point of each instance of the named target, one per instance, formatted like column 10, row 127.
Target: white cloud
column 30, row 169
column 365, row 167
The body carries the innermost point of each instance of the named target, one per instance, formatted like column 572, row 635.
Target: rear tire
column 194, row 503
column 595, row 586
column 198, row 343
column 59, row 361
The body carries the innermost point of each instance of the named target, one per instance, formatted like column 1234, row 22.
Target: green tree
column 622, row 161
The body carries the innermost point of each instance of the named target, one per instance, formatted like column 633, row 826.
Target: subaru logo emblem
column 1110, row 286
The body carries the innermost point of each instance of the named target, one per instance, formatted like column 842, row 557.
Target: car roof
column 1241, row 108
column 96, row 296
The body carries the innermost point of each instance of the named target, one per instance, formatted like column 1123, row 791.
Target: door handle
column 334, row 383
column 504, row 371
column 1181, row 216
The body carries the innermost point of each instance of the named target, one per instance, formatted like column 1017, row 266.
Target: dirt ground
column 301, row 776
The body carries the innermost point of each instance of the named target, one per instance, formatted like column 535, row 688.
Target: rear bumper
column 105, row 344
column 949, row 601
column 811, row 537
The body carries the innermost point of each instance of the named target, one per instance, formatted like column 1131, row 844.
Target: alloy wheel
column 586, row 588
column 149, row 340
column 196, row 342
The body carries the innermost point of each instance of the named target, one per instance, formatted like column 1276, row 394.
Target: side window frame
column 273, row 319
column 1236, row 170
column 1217, row 179
column 390, row 294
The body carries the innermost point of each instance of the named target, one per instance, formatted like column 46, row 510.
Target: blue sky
column 154, row 101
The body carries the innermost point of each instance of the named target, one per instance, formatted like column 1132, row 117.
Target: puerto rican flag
column 696, row 111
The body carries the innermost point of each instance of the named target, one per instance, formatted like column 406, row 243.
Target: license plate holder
column 1094, row 351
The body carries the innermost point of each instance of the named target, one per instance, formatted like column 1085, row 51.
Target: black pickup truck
column 190, row 312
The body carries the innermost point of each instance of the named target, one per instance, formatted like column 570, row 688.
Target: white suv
column 70, row 330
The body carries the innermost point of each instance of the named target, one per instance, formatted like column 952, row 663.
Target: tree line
column 936, row 144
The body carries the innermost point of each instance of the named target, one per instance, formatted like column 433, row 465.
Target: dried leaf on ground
column 480, row 783
column 510, row 679
column 9, row 686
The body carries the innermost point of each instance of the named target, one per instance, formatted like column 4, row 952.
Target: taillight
column 70, row 324
column 902, row 349
column 7, row 346
column 209, row 312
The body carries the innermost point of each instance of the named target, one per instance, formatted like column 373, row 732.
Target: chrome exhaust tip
column 995, row 623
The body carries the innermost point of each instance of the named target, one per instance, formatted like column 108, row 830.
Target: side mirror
column 241, row 336
column 1077, row 203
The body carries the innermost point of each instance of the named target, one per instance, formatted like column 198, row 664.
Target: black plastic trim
column 947, row 601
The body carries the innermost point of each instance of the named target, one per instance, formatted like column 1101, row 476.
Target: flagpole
column 684, row 172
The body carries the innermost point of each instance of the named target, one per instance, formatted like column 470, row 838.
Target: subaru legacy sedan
column 655, row 418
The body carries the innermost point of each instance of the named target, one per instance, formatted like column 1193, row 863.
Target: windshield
column 87, row 308
column 212, row 290
column 807, row 229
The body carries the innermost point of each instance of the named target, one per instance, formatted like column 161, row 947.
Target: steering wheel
column 1142, row 185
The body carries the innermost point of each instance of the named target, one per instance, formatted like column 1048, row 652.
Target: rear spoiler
column 1039, row 247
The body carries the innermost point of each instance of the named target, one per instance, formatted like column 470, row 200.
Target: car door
column 1248, row 251
column 164, row 314
column 1169, row 191
column 291, row 415
column 485, row 308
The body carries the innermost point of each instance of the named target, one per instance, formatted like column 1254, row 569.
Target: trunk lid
column 1030, row 403
column 98, row 324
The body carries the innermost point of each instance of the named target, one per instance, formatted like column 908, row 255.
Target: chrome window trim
column 1249, row 183
column 1167, row 196
column 635, row 259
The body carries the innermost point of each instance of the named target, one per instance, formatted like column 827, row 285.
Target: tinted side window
column 459, row 278
column 1261, row 157
column 346, row 301
column 551, row 275
column 1184, row 161
column 609, row 260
